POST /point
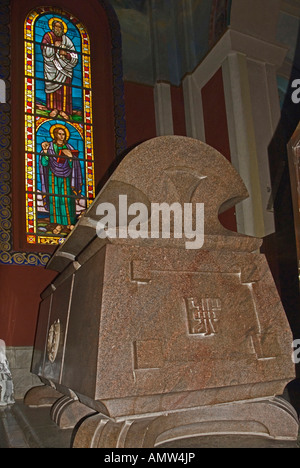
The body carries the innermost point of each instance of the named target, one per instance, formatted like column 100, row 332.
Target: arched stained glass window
column 59, row 165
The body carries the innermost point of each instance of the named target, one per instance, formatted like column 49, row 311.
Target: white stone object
column 6, row 382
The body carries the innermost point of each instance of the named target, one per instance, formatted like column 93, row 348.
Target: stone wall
column 19, row 358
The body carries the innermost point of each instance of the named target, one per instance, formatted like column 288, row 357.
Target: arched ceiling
column 165, row 39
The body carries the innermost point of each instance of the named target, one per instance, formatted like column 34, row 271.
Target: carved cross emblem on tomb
column 203, row 318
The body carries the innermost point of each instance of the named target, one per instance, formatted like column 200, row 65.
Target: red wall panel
column 21, row 287
column 140, row 113
column 216, row 129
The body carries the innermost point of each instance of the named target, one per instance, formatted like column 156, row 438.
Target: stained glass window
column 59, row 164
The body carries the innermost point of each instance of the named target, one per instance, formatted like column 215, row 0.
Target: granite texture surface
column 134, row 328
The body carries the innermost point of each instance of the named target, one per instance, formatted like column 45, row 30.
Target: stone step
column 11, row 432
column 23, row 427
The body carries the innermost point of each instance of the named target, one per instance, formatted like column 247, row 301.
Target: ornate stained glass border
column 7, row 254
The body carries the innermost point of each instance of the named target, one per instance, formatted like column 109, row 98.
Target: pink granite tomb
column 156, row 341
